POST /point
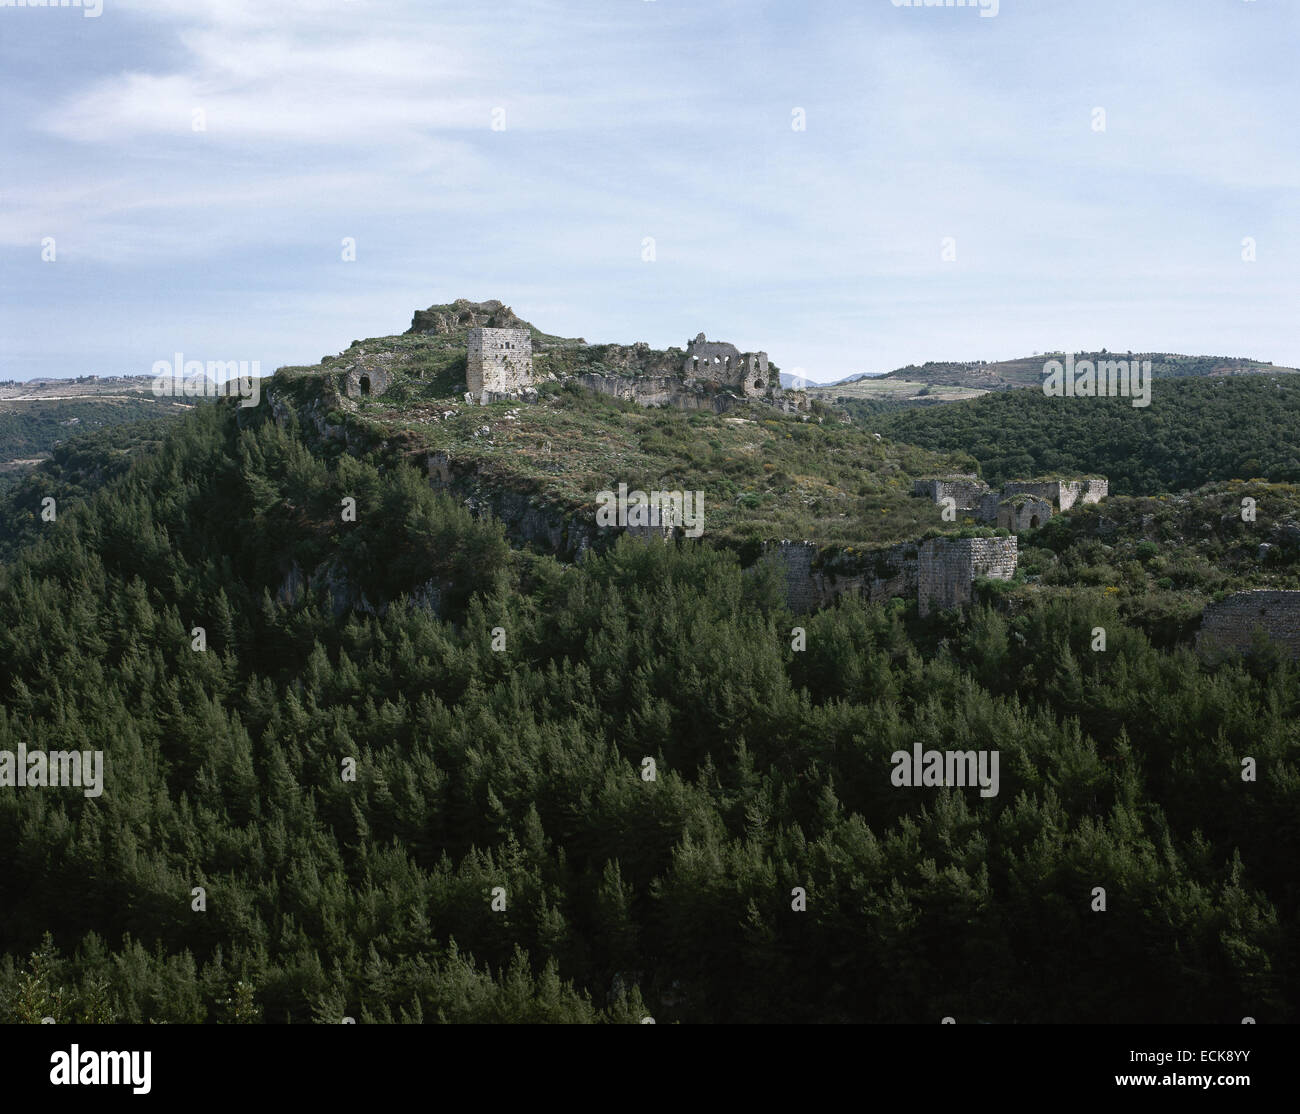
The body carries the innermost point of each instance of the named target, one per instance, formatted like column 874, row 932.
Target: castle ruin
column 965, row 490
column 1023, row 512
column 811, row 582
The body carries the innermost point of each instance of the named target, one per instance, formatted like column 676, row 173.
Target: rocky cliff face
column 462, row 315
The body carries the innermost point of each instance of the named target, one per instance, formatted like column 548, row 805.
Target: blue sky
column 670, row 119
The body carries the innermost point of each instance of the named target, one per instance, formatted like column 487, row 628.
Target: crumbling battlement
column 811, row 583
column 948, row 567
column 938, row 574
column 1062, row 494
column 1234, row 624
column 967, row 491
column 1022, row 512
column 723, row 363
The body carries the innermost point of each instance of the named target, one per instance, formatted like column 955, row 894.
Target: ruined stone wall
column 810, row 583
column 967, row 493
column 1049, row 491
column 658, row 391
column 895, row 573
column 1230, row 626
column 486, row 398
column 987, row 511
column 358, row 382
column 499, row 360
column 1068, row 493
column 993, row 558
column 1095, row 491
column 1025, row 513
column 947, row 567
column 725, row 364
column 966, row 490
column 938, row 574
column 755, row 379
column 803, row 593
column 1063, row 494
column 1019, row 502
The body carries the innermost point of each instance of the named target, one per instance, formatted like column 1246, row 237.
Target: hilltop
column 541, row 460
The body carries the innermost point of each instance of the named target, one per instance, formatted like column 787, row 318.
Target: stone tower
column 947, row 568
column 499, row 360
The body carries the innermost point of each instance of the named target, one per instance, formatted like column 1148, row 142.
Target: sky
column 850, row 186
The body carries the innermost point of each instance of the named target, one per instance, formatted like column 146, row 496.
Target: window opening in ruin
column 365, row 384
column 1033, row 522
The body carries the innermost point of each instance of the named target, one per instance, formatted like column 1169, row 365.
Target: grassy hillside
column 764, row 474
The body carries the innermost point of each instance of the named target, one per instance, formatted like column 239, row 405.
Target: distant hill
column 944, row 381
column 50, row 412
column 1196, row 431
column 84, row 386
column 1027, row 371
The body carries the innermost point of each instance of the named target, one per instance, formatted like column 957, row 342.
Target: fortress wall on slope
column 877, row 574
column 948, row 567
column 1233, row 624
column 658, row 391
column 966, row 491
